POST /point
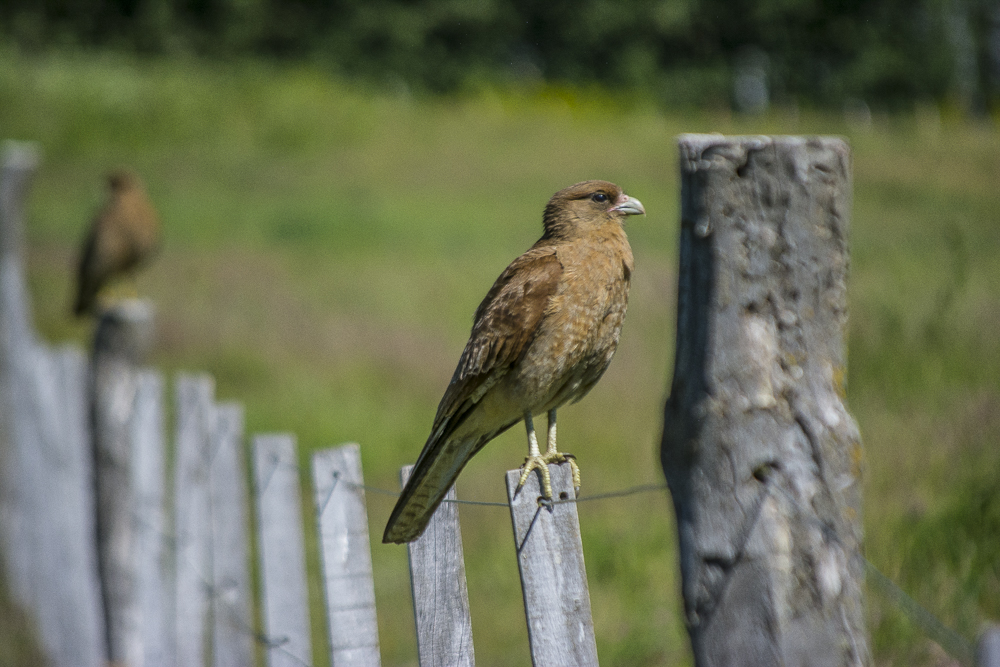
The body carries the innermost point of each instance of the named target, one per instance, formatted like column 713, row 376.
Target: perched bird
column 543, row 336
column 124, row 233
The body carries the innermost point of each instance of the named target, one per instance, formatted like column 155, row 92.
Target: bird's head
column 586, row 207
column 123, row 179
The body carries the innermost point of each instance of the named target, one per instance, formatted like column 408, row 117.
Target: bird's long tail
column 435, row 472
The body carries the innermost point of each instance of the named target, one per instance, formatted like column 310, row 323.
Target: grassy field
column 326, row 247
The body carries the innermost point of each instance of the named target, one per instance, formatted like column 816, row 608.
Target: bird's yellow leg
column 535, row 460
column 554, row 456
column 541, row 462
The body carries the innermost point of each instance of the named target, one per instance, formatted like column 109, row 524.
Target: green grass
column 326, row 248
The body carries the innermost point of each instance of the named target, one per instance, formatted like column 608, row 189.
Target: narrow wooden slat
column 32, row 443
column 988, row 647
column 232, row 644
column 440, row 592
column 346, row 556
column 77, row 587
column 194, row 395
column 553, row 576
column 282, row 556
column 61, row 476
column 155, row 584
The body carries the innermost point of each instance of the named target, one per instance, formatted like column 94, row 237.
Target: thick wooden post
column 120, row 344
column 440, row 591
column 553, row 576
column 760, row 453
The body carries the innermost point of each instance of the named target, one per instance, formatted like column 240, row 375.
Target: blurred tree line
column 884, row 53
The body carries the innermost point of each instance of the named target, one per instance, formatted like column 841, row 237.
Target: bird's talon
column 541, row 463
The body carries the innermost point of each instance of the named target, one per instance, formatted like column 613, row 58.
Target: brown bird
column 124, row 233
column 543, row 336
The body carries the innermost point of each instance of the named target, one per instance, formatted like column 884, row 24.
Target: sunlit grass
column 326, row 249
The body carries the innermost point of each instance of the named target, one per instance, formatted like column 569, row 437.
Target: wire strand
column 957, row 646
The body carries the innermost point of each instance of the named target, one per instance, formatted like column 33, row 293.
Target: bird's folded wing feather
column 505, row 323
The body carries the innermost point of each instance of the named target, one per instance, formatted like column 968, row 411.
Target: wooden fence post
column 232, row 598
column 18, row 350
column 346, row 556
column 18, row 164
column 74, row 587
column 760, row 453
column 121, row 342
column 155, row 548
column 988, row 647
column 192, row 516
column 46, row 494
column 285, row 599
column 553, row 576
column 440, row 591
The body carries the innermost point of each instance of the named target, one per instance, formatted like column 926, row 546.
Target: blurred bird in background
column 124, row 234
column 543, row 336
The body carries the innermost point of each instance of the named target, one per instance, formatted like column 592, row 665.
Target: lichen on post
column 760, row 453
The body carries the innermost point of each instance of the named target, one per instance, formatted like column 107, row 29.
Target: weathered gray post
column 121, row 343
column 155, row 550
column 346, row 557
column 46, row 493
column 440, row 590
column 232, row 599
column 553, row 575
column 760, row 453
column 988, row 647
column 281, row 551
column 193, row 516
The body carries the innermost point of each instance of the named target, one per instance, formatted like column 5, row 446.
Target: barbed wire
column 957, row 646
column 953, row 643
column 233, row 614
column 621, row 493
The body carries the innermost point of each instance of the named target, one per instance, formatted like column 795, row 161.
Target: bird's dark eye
column 599, row 197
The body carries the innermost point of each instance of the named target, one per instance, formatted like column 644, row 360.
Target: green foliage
column 326, row 247
column 684, row 53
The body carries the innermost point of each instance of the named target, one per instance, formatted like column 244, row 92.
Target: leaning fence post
column 192, row 516
column 760, row 453
column 18, row 376
column 553, row 576
column 121, row 342
column 46, row 488
column 440, row 592
column 346, row 556
column 285, row 600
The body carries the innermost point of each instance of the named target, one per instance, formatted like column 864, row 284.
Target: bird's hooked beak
column 628, row 205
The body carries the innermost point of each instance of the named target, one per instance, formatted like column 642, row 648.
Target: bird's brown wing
column 505, row 323
column 93, row 267
column 123, row 234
